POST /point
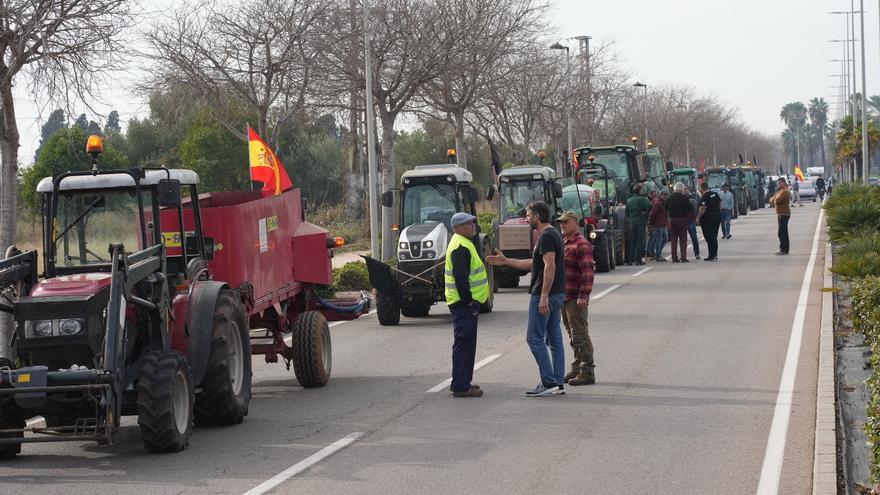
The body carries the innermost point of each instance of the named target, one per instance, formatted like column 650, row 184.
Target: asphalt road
column 689, row 362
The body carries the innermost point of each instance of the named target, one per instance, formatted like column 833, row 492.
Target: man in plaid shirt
column 578, row 285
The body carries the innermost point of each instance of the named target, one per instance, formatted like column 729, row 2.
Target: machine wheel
column 601, row 254
column 611, row 243
column 414, row 310
column 743, row 209
column 9, row 418
column 165, row 402
column 226, row 388
column 313, row 353
column 754, row 204
column 619, row 247
column 387, row 309
column 508, row 280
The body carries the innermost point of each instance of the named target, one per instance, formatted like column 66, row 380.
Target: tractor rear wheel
column 508, row 279
column 611, row 243
column 619, row 252
column 165, row 402
column 387, row 309
column 313, row 357
column 601, row 253
column 226, row 388
column 413, row 310
column 9, row 419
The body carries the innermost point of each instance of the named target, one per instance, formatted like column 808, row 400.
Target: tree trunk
column 9, row 143
column 822, row 147
column 460, row 147
column 354, row 187
column 389, row 178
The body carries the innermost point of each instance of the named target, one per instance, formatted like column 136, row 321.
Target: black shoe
column 709, row 259
column 697, row 256
column 659, row 259
column 780, row 253
column 640, row 262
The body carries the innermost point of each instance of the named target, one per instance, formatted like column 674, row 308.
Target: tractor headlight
column 593, row 235
column 71, row 327
column 404, row 245
column 428, row 244
column 39, row 328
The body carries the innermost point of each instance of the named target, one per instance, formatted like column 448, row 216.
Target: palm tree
column 874, row 104
column 795, row 116
column 818, row 112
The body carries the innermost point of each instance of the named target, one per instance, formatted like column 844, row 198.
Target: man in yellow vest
column 467, row 287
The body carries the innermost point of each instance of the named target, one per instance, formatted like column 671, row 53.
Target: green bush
column 859, row 256
column 865, row 313
column 351, row 276
column 852, row 207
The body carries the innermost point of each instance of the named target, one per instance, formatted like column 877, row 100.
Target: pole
column 568, row 164
column 371, row 139
column 866, row 165
column 852, row 20
column 645, row 106
column 714, row 154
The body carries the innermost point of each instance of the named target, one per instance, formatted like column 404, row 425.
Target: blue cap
column 462, row 217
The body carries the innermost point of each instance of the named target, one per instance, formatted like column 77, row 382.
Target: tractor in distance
column 717, row 176
column 424, row 204
column 753, row 180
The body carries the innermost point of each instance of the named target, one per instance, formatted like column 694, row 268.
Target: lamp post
column 373, row 179
column 645, row 107
column 687, row 135
column 866, row 164
column 568, row 162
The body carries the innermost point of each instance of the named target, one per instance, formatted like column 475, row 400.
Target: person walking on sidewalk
column 657, row 222
column 709, row 218
column 781, row 200
column 678, row 206
column 467, row 287
column 728, row 203
column 692, row 219
column 547, row 290
column 637, row 209
column 578, row 285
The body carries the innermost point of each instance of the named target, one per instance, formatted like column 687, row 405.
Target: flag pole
column 247, row 133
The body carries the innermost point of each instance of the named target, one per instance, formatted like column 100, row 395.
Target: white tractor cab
column 428, row 197
column 511, row 232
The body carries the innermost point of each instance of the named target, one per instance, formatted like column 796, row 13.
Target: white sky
column 756, row 55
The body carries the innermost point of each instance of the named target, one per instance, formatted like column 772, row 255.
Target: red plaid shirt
column 578, row 268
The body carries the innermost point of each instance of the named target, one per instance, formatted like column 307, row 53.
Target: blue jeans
column 544, row 333
column 725, row 222
column 659, row 242
column 692, row 230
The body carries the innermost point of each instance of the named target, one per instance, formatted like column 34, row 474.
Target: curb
column 825, row 450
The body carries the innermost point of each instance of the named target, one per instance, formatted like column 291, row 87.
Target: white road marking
column 642, row 271
column 305, row 464
column 605, row 292
column 773, row 456
column 448, row 381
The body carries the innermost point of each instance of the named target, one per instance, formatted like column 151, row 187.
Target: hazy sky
column 754, row 55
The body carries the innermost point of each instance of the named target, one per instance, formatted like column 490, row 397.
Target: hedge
column 865, row 314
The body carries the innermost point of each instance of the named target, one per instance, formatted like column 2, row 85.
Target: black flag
column 754, row 161
column 780, row 170
column 496, row 161
column 740, row 157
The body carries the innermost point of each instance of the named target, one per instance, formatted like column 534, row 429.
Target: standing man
column 658, row 222
column 678, row 207
column 709, row 218
column 782, row 202
column 692, row 220
column 578, row 285
column 796, row 190
column 547, row 288
column 467, row 287
column 637, row 209
column 728, row 203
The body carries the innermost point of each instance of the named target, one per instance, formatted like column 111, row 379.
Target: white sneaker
column 542, row 391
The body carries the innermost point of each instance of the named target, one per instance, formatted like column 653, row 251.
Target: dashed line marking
column 642, row 271
column 445, row 383
column 606, row 292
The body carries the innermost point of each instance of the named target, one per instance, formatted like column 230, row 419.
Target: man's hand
column 544, row 305
column 582, row 303
column 496, row 259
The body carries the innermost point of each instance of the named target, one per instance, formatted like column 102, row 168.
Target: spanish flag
column 266, row 167
column 799, row 174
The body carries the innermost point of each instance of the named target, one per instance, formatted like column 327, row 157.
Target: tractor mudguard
column 200, row 324
column 381, row 277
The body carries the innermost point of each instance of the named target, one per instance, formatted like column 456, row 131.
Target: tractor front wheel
column 312, row 358
column 165, row 402
column 387, row 309
column 601, row 253
column 226, row 388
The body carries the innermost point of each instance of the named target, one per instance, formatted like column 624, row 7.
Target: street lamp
column 645, row 106
column 558, row 46
column 866, row 165
column 372, row 168
column 687, row 135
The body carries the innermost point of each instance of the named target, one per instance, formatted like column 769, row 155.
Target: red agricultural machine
column 161, row 323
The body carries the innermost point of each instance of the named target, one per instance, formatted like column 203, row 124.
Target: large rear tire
column 619, row 248
column 601, row 253
column 9, row 419
column 165, row 402
column 387, row 309
column 226, row 388
column 508, row 279
column 313, row 352
column 612, row 260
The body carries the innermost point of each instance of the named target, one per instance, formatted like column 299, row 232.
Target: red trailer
column 264, row 248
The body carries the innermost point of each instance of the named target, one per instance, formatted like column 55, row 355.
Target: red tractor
column 158, row 323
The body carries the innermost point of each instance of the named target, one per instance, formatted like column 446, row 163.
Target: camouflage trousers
column 575, row 321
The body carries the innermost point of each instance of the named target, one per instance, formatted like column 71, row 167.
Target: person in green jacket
column 637, row 209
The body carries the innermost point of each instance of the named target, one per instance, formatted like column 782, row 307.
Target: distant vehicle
column 816, row 171
column 806, row 188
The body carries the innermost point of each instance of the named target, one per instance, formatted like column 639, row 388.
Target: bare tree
column 255, row 54
column 478, row 34
column 65, row 48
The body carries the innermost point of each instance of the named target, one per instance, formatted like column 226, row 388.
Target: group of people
column 562, row 276
column 656, row 217
column 561, row 281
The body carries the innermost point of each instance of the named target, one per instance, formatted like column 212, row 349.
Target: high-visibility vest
column 478, row 279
